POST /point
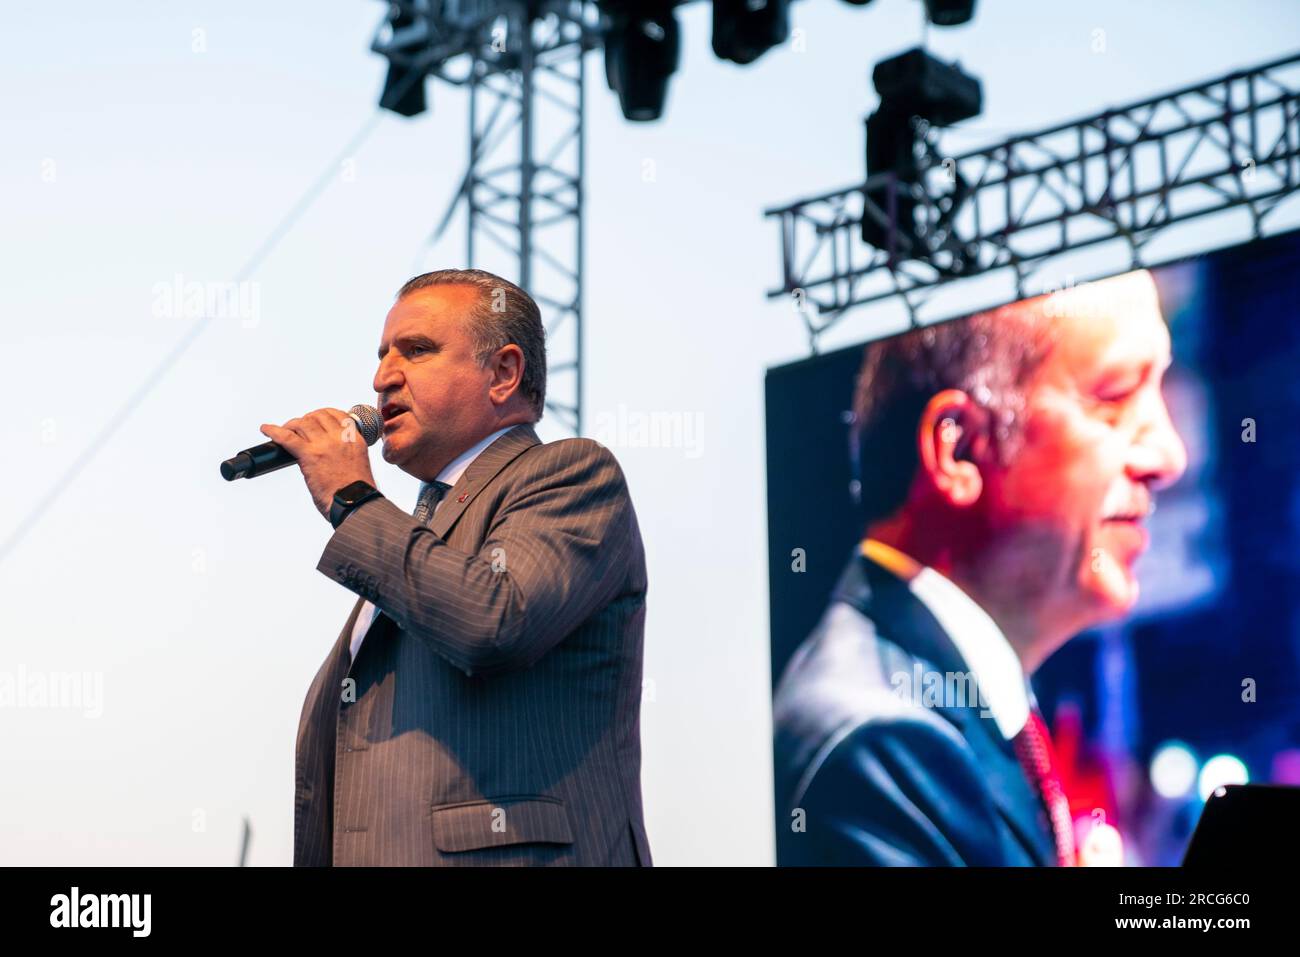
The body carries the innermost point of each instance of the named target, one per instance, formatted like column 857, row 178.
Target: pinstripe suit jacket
column 492, row 714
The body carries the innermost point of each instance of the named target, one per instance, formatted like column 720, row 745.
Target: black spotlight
column 642, row 49
column 949, row 13
column 919, row 84
column 912, row 86
column 743, row 30
column 404, row 88
column 403, row 92
column 891, row 147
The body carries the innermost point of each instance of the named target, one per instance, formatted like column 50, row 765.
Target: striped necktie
column 1033, row 747
column 431, row 494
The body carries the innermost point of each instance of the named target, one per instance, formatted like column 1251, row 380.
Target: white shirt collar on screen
column 976, row 636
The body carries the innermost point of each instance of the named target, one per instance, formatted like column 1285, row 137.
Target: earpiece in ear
column 954, row 435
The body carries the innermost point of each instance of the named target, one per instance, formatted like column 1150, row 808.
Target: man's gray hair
column 505, row 314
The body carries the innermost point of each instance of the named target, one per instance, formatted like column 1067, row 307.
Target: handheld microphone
column 269, row 457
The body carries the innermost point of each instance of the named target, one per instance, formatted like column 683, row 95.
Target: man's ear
column 507, row 367
column 953, row 436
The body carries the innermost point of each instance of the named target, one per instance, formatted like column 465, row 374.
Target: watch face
column 350, row 493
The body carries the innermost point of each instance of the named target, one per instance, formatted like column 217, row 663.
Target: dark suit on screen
column 498, row 693
column 875, row 777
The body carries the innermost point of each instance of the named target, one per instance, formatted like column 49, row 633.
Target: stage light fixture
column 949, row 13
column 404, row 88
column 642, row 50
column 912, row 86
column 922, row 85
column 403, row 94
column 743, row 30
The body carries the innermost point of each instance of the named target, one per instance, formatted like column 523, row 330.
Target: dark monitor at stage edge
column 1245, row 825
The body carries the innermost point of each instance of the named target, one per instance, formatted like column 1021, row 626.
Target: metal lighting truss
column 1123, row 174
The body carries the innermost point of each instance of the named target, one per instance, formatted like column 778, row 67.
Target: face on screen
column 1097, row 443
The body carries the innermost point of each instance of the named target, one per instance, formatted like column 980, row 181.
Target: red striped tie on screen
column 1034, row 749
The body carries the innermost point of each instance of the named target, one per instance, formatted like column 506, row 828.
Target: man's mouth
column 1125, row 512
column 1123, row 505
column 1133, row 531
column 391, row 411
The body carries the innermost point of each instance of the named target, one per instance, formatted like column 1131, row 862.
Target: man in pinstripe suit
column 481, row 704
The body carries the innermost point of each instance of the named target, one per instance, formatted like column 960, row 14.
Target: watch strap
column 348, row 498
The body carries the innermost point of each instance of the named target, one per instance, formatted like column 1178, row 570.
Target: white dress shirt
column 992, row 661
column 449, row 476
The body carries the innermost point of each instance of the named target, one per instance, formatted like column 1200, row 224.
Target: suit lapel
column 480, row 472
column 314, row 753
column 885, row 598
column 341, row 650
column 334, row 664
column 475, row 478
column 1016, row 800
column 905, row 620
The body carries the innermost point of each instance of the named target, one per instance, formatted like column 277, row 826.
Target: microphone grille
column 368, row 420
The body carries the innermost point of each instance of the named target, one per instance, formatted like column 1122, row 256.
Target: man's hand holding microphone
column 329, row 450
column 329, row 445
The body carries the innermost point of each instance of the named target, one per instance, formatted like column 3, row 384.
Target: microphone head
column 368, row 420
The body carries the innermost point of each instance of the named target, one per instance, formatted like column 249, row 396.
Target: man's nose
column 387, row 376
column 1158, row 455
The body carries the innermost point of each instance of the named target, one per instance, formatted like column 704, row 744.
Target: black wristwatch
column 349, row 497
